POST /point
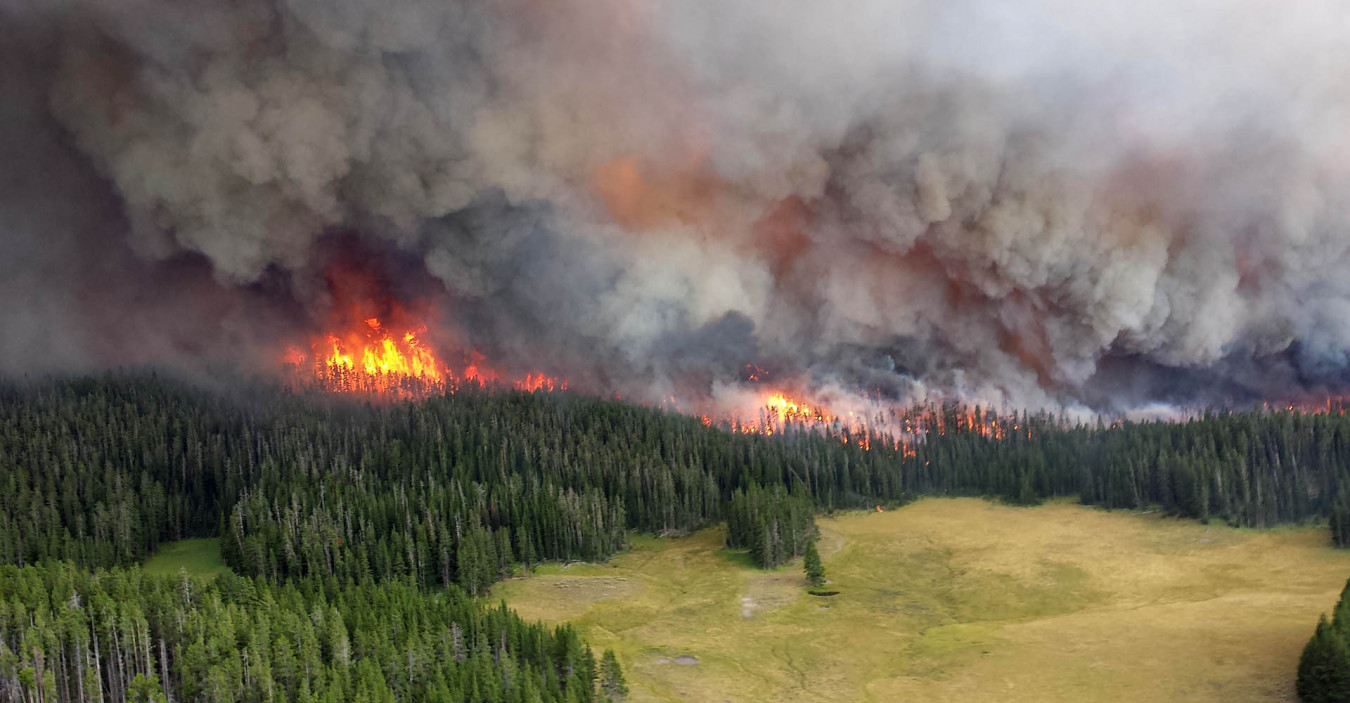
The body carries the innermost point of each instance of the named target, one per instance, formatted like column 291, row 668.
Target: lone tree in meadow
column 815, row 571
column 611, row 677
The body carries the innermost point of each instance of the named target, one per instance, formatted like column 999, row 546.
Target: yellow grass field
column 959, row 600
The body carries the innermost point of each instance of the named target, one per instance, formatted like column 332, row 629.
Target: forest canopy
column 323, row 500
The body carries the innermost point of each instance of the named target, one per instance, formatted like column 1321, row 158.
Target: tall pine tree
column 815, row 570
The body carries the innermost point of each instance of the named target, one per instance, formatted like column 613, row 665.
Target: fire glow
column 901, row 428
column 777, row 412
column 376, row 346
column 383, row 354
column 370, row 358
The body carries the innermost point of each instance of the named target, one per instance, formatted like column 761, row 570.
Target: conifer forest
column 362, row 536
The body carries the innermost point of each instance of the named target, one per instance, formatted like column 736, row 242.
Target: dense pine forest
column 456, row 488
column 315, row 498
column 774, row 524
column 70, row 635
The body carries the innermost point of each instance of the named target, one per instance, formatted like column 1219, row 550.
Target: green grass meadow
column 198, row 557
column 959, row 599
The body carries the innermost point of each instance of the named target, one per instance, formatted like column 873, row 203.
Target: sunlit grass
column 960, row 599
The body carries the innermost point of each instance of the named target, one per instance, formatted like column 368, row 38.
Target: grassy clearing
column 960, row 599
column 198, row 557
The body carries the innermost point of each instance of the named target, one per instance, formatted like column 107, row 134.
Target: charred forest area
column 359, row 533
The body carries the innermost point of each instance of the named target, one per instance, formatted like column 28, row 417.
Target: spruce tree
column 815, row 570
column 1340, row 617
column 1324, row 668
column 146, row 689
column 524, row 548
column 612, row 683
column 1340, row 523
column 760, row 545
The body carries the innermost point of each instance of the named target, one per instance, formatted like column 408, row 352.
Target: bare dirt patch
column 765, row 592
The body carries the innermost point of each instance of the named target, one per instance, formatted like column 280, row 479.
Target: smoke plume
column 1036, row 202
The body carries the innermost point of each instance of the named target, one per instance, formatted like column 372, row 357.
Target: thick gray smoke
column 1028, row 201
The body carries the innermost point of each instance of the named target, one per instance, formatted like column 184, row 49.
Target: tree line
column 456, row 488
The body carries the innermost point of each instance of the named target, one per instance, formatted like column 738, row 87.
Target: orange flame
column 795, row 411
column 379, row 353
column 371, row 359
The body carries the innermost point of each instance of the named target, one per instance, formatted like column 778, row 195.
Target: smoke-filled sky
column 1029, row 201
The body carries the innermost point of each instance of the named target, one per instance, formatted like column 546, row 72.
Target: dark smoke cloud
column 1033, row 202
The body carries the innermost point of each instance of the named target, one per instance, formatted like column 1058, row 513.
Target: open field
column 198, row 557
column 960, row 599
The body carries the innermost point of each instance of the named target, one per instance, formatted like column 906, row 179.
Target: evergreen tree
column 1340, row 522
column 612, row 683
column 1324, row 668
column 815, row 570
column 145, row 689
